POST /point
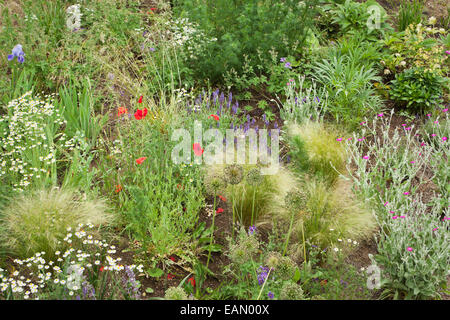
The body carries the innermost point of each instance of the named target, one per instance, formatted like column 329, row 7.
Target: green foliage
column 329, row 214
column 55, row 54
column 303, row 102
column 327, row 276
column 314, row 150
column 77, row 106
column 417, row 89
column 367, row 19
column 37, row 222
column 85, row 271
column 159, row 201
column 246, row 29
column 33, row 141
column 410, row 12
column 349, row 87
column 418, row 46
column 414, row 254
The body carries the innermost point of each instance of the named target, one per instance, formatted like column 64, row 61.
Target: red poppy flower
column 101, row 269
column 215, row 116
column 170, row 276
column 198, row 151
column 222, row 198
column 172, row 258
column 140, row 160
column 140, row 99
column 122, row 110
column 219, row 210
column 118, row 188
column 140, row 114
column 191, row 280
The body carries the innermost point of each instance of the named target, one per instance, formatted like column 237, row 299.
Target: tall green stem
column 253, row 203
column 289, row 232
column 212, row 231
column 232, row 227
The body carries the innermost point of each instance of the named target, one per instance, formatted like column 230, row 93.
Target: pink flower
column 406, row 193
column 435, row 229
column 409, row 249
column 422, row 144
column 339, row 139
column 412, row 161
column 445, row 110
column 429, row 115
column 436, row 121
column 433, row 134
column 402, row 217
column 349, row 139
column 403, row 124
column 444, row 138
column 409, row 128
column 447, row 52
column 394, row 217
column 386, row 203
column 361, row 139
column 361, row 123
column 391, row 211
column 366, row 157
column 380, row 114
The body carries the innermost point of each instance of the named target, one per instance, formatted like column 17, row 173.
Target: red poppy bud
column 140, row 160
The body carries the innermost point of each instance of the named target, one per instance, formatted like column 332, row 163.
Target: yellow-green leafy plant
column 418, row 46
column 316, row 149
column 38, row 222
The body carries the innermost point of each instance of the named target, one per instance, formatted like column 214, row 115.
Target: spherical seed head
column 291, row 291
column 254, row 177
column 238, row 254
column 175, row 293
column 233, row 174
column 250, row 244
column 272, row 260
column 215, row 184
column 295, row 199
column 285, row 268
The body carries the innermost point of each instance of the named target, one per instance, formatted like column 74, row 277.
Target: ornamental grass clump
column 37, row 222
column 315, row 149
column 258, row 196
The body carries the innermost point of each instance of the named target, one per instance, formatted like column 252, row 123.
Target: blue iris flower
column 17, row 52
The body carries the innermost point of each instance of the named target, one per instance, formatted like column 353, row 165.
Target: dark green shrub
column 417, row 89
column 246, row 31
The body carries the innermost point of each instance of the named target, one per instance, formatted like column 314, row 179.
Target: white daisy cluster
column 26, row 139
column 49, row 275
column 183, row 33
